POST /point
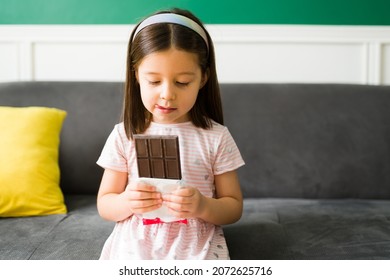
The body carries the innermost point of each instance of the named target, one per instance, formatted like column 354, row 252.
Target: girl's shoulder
column 120, row 132
column 216, row 128
column 120, row 127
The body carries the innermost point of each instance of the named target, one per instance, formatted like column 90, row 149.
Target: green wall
column 326, row 12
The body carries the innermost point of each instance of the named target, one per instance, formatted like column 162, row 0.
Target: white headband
column 176, row 19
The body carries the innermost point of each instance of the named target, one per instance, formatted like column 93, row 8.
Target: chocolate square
column 158, row 156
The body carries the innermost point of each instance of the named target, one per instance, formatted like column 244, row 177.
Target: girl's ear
column 205, row 78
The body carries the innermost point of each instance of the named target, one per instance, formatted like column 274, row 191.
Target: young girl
column 171, row 89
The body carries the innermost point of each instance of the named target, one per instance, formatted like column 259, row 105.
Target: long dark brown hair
column 160, row 37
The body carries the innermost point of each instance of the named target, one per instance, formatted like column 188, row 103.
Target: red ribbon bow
column 158, row 221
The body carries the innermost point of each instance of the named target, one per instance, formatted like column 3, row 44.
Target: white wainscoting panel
column 292, row 62
column 9, row 61
column 79, row 61
column 245, row 53
column 386, row 64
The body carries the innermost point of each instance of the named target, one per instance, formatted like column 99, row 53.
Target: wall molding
column 245, row 53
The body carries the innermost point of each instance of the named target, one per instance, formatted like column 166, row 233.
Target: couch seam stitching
column 48, row 234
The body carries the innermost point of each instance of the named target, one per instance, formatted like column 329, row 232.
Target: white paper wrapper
column 164, row 186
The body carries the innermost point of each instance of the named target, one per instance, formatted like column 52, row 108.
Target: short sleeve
column 113, row 155
column 228, row 157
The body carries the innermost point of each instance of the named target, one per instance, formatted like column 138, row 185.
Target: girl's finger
column 146, row 209
column 140, row 204
column 143, row 195
column 141, row 186
column 184, row 191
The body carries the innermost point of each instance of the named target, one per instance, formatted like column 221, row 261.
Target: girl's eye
column 153, row 83
column 182, row 84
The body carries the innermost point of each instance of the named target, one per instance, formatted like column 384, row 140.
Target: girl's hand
column 142, row 198
column 185, row 202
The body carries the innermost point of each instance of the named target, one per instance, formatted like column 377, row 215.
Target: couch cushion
column 78, row 235
column 311, row 140
column 311, row 229
column 20, row 237
column 338, row 229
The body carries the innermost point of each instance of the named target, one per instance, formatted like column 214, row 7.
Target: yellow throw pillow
column 29, row 170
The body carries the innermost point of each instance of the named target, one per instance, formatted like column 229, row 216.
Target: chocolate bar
column 158, row 156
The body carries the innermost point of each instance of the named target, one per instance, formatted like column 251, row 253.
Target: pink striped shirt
column 203, row 154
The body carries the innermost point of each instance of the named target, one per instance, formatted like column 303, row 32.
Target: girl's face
column 170, row 81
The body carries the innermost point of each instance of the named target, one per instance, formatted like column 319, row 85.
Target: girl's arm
column 117, row 201
column 226, row 208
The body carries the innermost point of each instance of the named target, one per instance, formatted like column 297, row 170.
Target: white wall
column 245, row 53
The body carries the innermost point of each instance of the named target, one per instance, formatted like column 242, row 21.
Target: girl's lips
column 165, row 109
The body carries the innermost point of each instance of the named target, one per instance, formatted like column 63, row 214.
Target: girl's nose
column 167, row 92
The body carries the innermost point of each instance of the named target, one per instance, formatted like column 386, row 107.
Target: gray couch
column 316, row 181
